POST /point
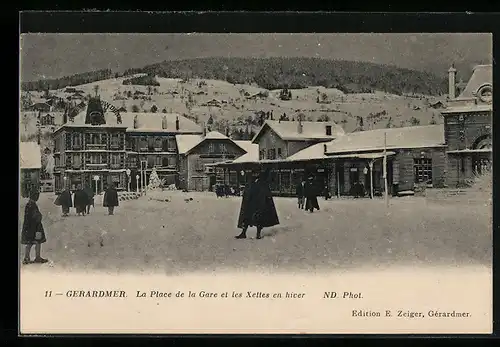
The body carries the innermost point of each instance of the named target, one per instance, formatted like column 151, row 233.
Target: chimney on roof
column 164, row 122
column 177, row 123
column 452, row 74
column 324, row 148
column 300, row 127
column 136, row 122
column 328, row 130
column 204, row 129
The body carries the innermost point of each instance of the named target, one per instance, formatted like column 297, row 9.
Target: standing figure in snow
column 311, row 195
column 257, row 206
column 111, row 199
column 32, row 232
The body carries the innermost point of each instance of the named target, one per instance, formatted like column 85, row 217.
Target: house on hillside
column 40, row 106
column 198, row 152
column 437, row 104
column 98, row 147
column 30, row 165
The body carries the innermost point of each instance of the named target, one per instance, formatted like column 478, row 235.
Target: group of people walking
column 83, row 200
column 306, row 195
column 33, row 233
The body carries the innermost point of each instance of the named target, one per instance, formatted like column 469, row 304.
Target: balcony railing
column 97, row 166
column 115, row 166
column 96, row 146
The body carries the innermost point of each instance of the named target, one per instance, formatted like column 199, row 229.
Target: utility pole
column 385, row 171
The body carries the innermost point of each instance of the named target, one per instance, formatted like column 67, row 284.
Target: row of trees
column 145, row 80
column 73, row 80
column 294, row 73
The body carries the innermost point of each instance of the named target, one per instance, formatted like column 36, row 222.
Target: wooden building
column 416, row 155
column 281, row 139
column 103, row 144
column 197, row 152
column 30, row 165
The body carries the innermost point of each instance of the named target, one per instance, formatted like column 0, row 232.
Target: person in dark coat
column 311, row 196
column 32, row 232
column 80, row 201
column 64, row 200
column 300, row 193
column 326, row 192
column 90, row 198
column 111, row 199
column 257, row 207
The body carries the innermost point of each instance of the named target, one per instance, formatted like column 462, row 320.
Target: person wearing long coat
column 80, row 201
column 64, row 200
column 32, row 231
column 299, row 190
column 110, row 199
column 311, row 196
column 90, row 198
column 257, row 208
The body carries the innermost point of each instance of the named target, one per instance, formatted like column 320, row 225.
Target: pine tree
column 154, row 180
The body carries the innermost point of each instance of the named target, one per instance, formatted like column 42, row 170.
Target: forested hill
column 276, row 73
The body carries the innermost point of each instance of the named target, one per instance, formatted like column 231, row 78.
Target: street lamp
column 128, row 180
column 65, row 179
column 137, row 183
column 96, row 179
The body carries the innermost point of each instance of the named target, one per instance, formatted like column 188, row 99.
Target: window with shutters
column 115, row 141
column 143, row 143
column 171, row 145
column 151, row 143
column 199, row 165
column 165, row 162
column 279, row 153
column 211, row 147
column 271, row 153
column 158, row 144
column 262, row 154
column 158, row 161
column 223, row 148
column 423, row 170
column 77, row 141
column 151, row 161
column 77, row 160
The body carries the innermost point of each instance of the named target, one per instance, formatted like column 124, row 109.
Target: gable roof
column 481, row 75
column 407, row 137
column 252, row 151
column 288, row 130
column 147, row 122
column 186, row 143
column 30, row 156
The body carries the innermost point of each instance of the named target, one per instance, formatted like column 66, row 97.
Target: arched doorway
column 481, row 161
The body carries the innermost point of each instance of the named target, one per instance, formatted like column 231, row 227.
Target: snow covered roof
column 186, row 143
column 468, row 108
column 146, row 122
column 252, row 151
column 30, row 156
column 481, row 75
column 407, row 137
column 288, row 130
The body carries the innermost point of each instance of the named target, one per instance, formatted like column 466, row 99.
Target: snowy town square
column 175, row 232
column 256, row 175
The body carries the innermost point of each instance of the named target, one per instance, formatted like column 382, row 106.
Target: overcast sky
column 57, row 55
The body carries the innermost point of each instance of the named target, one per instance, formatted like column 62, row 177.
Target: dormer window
column 485, row 93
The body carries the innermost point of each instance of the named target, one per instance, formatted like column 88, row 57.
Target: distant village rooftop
column 301, row 131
